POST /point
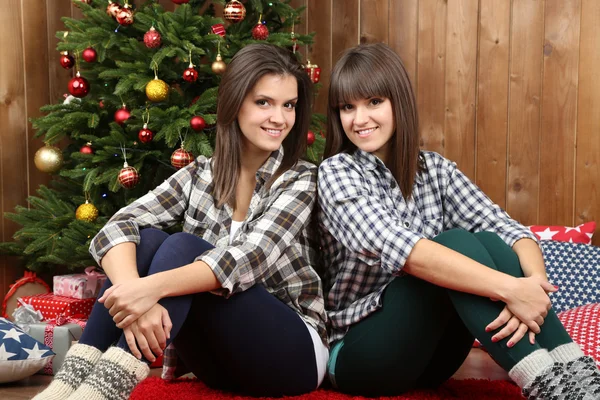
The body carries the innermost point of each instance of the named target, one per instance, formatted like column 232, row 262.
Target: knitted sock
column 586, row 373
column 78, row 363
column 113, row 378
column 542, row 378
column 566, row 352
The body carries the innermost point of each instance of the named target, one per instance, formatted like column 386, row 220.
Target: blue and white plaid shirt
column 272, row 248
column 367, row 229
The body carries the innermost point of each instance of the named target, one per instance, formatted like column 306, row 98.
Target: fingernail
column 510, row 344
column 488, row 329
column 494, row 339
column 555, row 287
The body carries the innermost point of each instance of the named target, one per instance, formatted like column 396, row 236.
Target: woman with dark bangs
column 419, row 261
column 236, row 291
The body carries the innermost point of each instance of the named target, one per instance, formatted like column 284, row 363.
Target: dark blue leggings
column 250, row 343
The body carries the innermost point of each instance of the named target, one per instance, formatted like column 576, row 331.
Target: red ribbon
column 60, row 320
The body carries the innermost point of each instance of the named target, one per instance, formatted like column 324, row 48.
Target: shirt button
column 373, row 303
column 406, row 224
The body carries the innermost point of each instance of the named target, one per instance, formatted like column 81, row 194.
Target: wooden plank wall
column 508, row 89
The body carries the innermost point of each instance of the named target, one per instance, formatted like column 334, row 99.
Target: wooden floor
column 478, row 365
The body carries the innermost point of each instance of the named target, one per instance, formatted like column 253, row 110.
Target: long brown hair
column 375, row 70
column 246, row 68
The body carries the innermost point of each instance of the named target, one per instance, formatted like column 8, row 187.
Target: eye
column 346, row 107
column 376, row 102
column 262, row 102
column 290, row 106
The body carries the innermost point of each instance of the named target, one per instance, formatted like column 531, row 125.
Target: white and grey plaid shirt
column 367, row 229
column 272, row 248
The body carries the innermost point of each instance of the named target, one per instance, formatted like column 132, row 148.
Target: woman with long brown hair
column 236, row 291
column 419, row 260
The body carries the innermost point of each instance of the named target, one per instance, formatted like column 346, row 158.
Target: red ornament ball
column 66, row 60
column 181, row 157
column 89, row 55
column 122, row 115
column 125, row 16
column 128, row 177
column 260, row 32
column 86, row 149
column 152, row 38
column 145, row 135
column 234, row 11
column 190, row 75
column 180, row 1
column 310, row 138
column 197, row 123
column 112, row 9
column 79, row 86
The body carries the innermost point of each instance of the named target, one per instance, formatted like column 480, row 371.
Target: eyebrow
column 270, row 98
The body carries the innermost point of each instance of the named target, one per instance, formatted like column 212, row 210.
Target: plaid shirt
column 367, row 229
column 272, row 247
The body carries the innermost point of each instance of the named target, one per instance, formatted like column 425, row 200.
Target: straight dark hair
column 246, row 68
column 375, row 70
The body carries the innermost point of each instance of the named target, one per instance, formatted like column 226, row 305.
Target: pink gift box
column 79, row 286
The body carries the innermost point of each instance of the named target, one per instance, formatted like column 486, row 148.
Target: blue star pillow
column 575, row 269
column 20, row 354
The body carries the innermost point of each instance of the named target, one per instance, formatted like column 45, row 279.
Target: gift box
column 79, row 286
column 58, row 334
column 52, row 306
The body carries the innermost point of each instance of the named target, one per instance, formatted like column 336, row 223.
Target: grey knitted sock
column 78, row 363
column 113, row 378
column 587, row 375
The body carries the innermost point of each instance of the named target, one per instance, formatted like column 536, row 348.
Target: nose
column 360, row 116
column 277, row 116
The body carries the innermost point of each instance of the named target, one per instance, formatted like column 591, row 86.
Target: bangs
column 357, row 78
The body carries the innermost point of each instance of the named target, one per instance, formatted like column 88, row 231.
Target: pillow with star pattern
column 575, row 269
column 20, row 354
column 579, row 234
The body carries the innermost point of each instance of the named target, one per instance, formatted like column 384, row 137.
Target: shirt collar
column 370, row 162
column 266, row 171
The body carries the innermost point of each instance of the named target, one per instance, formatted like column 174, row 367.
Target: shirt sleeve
column 358, row 219
column 239, row 266
column 466, row 206
column 159, row 208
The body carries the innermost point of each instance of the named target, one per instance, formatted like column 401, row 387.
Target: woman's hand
column 528, row 300
column 128, row 300
column 512, row 325
column 148, row 335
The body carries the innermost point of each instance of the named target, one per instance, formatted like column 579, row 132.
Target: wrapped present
column 59, row 334
column 52, row 306
column 79, row 286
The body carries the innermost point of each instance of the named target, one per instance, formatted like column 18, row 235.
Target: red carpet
column 155, row 388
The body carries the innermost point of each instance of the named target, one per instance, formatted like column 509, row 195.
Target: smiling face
column 369, row 124
column 267, row 114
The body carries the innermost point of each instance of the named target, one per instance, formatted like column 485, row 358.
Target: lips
column 273, row 132
column 365, row 132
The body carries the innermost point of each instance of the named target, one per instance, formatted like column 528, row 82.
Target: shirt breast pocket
column 433, row 227
column 199, row 228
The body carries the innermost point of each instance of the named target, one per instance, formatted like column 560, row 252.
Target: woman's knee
column 467, row 244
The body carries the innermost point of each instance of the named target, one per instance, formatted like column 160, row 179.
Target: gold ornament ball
column 157, row 90
column 86, row 212
column 219, row 66
column 48, row 159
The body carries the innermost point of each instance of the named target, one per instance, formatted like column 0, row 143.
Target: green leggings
column 423, row 333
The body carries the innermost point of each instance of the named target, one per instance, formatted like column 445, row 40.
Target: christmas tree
column 142, row 104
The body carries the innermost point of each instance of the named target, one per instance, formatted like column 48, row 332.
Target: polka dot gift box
column 52, row 306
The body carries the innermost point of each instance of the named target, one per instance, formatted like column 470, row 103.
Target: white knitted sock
column 113, row 378
column 566, row 352
column 78, row 363
column 530, row 367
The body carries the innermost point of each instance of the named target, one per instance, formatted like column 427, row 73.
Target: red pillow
column 580, row 234
column 583, row 324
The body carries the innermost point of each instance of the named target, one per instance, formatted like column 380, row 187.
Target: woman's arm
column 119, row 263
column 530, row 258
column 526, row 297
